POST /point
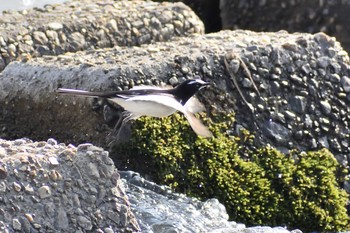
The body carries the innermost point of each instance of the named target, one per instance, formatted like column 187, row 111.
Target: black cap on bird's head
column 185, row 90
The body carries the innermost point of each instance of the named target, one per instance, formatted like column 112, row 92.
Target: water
column 25, row 4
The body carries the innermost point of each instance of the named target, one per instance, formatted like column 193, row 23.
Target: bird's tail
column 65, row 91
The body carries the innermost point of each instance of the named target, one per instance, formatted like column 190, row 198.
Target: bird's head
column 185, row 90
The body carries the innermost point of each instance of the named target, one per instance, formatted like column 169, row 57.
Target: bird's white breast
column 149, row 105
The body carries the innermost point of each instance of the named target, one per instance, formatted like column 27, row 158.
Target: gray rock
column 61, row 221
column 59, row 208
column 289, row 115
column 277, row 132
column 40, row 38
column 293, row 17
column 55, row 26
column 12, row 49
column 182, row 214
column 323, row 62
column 323, row 141
column 61, row 28
column 290, row 91
column 2, row 187
column 85, row 223
column 44, row 191
column 76, row 42
column 16, row 186
column 247, row 83
column 325, row 107
column 345, row 82
column 335, row 78
column 16, row 224
column 298, row 104
column 26, row 227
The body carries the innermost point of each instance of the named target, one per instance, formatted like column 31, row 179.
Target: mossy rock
column 257, row 186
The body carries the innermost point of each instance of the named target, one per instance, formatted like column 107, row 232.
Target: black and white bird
column 155, row 102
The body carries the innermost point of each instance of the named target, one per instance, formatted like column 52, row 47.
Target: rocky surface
column 303, row 81
column 50, row 187
column 89, row 24
column 310, row 16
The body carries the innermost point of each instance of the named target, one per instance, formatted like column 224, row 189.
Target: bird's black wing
column 140, row 92
column 111, row 94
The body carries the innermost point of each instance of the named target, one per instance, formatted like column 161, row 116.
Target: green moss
column 258, row 187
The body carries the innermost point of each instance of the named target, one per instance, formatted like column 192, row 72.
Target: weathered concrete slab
column 89, row 24
column 303, row 80
column 310, row 16
column 50, row 187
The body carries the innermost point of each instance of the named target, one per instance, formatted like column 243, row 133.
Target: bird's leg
column 119, row 123
column 113, row 136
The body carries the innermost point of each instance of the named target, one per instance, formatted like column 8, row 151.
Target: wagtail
column 155, row 102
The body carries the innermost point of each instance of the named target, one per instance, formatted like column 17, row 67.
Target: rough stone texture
column 310, row 16
column 50, row 187
column 89, row 24
column 302, row 78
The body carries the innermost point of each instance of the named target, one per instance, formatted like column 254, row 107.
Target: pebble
column 28, row 188
column 2, row 187
column 40, row 38
column 275, row 87
column 44, row 192
column 173, row 81
column 323, row 141
column 276, row 131
column 335, row 78
column 306, row 69
column 55, row 26
column 323, row 61
column 77, row 41
column 16, row 187
column 62, row 221
column 235, row 65
column 247, row 83
column 112, row 25
column 84, row 223
column 25, row 224
column 298, row 104
column 3, row 172
column 289, row 115
column 325, row 107
column 345, row 82
column 296, row 79
column 16, row 224
column 53, row 161
column 2, row 41
column 108, row 230
column 12, row 49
